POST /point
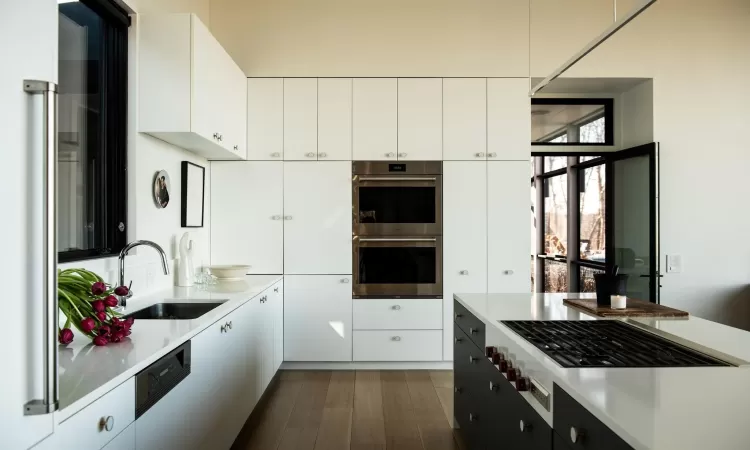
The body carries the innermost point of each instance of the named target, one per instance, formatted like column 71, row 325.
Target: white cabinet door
column 464, row 119
column 420, row 119
column 30, row 34
column 267, row 339
column 206, row 113
column 300, row 119
column 464, row 237
column 508, row 119
column 508, row 227
column 317, row 218
column 238, row 108
column 375, row 119
column 334, row 119
column 265, row 118
column 278, row 324
column 124, row 441
column 317, row 318
column 247, row 227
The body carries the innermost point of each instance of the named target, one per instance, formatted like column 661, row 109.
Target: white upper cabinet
column 464, row 119
column 508, row 119
column 265, row 119
column 508, row 227
column 335, row 119
column 300, row 119
column 464, row 237
column 318, row 218
column 247, row 207
column 317, row 318
column 420, row 119
column 191, row 93
column 375, row 119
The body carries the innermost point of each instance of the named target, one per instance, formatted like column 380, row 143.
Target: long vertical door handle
column 49, row 402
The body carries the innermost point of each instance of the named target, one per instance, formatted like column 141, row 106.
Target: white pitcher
column 185, row 271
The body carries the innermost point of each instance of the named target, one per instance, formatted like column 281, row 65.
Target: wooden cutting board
column 635, row 308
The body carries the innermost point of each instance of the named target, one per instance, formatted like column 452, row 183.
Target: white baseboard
column 416, row 365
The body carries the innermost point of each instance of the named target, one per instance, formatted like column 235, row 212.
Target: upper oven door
column 397, row 205
column 398, row 266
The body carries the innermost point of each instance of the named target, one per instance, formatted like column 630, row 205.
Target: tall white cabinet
column 317, row 218
column 247, row 212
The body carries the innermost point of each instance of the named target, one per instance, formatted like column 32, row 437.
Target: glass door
column 633, row 204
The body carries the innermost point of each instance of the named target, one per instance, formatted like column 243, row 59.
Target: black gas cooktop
column 606, row 343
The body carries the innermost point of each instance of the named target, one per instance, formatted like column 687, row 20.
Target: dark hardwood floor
column 337, row 410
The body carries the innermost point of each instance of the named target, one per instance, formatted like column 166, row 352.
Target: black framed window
column 572, row 121
column 92, row 114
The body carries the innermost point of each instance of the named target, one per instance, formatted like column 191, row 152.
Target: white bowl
column 229, row 272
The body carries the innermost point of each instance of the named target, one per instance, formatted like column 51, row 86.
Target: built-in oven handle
column 398, row 239
column 396, row 179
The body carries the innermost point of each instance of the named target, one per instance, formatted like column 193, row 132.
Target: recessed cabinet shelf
column 191, row 93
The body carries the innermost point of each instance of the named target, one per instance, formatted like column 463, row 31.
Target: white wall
column 695, row 51
column 146, row 156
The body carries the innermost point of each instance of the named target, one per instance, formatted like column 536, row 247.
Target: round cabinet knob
column 107, row 423
column 345, row 280
column 276, row 218
column 287, row 217
column 457, row 389
column 493, row 386
column 479, row 155
column 458, row 316
column 323, row 155
column 525, row 427
column 472, row 359
column 491, row 155
column 396, row 307
column 457, row 340
column 396, row 338
column 275, row 155
column 223, row 328
column 576, row 435
column 463, row 272
column 473, row 417
column 472, row 330
column 310, row 155
column 401, row 155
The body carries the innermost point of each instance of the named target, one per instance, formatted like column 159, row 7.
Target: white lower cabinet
column 98, row 423
column 277, row 307
column 124, row 440
column 398, row 345
column 317, row 318
column 398, row 314
column 508, row 227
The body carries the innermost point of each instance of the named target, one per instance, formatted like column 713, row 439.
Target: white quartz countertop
column 650, row 408
column 87, row 372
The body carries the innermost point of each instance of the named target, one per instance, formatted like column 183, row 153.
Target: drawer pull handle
column 493, row 386
column 396, row 338
column 275, row 155
column 107, row 423
column 323, row 154
column 457, row 390
column 229, row 325
column 463, row 272
column 473, row 417
column 473, row 330
column 576, row 435
column 458, row 316
column 492, row 155
column 345, row 280
column 396, row 307
column 525, row 427
column 276, row 289
column 310, row 155
column 458, row 340
column 479, row 155
column 472, row 359
column 223, row 328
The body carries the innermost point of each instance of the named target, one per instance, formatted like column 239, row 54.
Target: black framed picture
column 193, row 193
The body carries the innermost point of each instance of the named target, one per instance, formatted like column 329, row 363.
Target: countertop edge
column 71, row 410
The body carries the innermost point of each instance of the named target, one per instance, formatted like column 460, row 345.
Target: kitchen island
column 654, row 408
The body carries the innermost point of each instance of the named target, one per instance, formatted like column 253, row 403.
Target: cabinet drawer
column 473, row 327
column 570, row 418
column 398, row 345
column 401, row 314
column 98, row 423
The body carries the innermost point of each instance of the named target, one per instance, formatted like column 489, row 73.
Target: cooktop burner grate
column 606, row 343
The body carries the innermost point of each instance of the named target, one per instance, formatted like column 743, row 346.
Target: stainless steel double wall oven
column 397, row 226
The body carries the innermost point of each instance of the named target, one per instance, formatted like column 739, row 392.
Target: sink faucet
column 124, row 252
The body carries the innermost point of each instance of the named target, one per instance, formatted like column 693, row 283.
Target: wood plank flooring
column 354, row 410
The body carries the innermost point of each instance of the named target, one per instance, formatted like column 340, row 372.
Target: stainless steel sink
column 173, row 311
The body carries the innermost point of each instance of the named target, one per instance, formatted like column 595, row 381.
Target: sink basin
column 173, row 311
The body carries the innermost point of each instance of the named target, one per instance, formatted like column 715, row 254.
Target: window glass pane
column 559, row 140
column 534, row 249
column 533, row 273
column 555, row 162
column 592, row 132
column 555, row 276
column 592, row 214
column 79, row 34
column 587, row 279
column 556, row 215
column 588, row 158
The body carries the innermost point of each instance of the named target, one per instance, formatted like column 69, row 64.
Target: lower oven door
column 398, row 267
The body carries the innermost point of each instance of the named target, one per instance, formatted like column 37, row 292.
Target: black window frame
column 609, row 122
column 110, row 162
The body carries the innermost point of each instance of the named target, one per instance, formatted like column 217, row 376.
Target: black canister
column 608, row 285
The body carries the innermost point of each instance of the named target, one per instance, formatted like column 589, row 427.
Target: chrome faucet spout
column 124, row 253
